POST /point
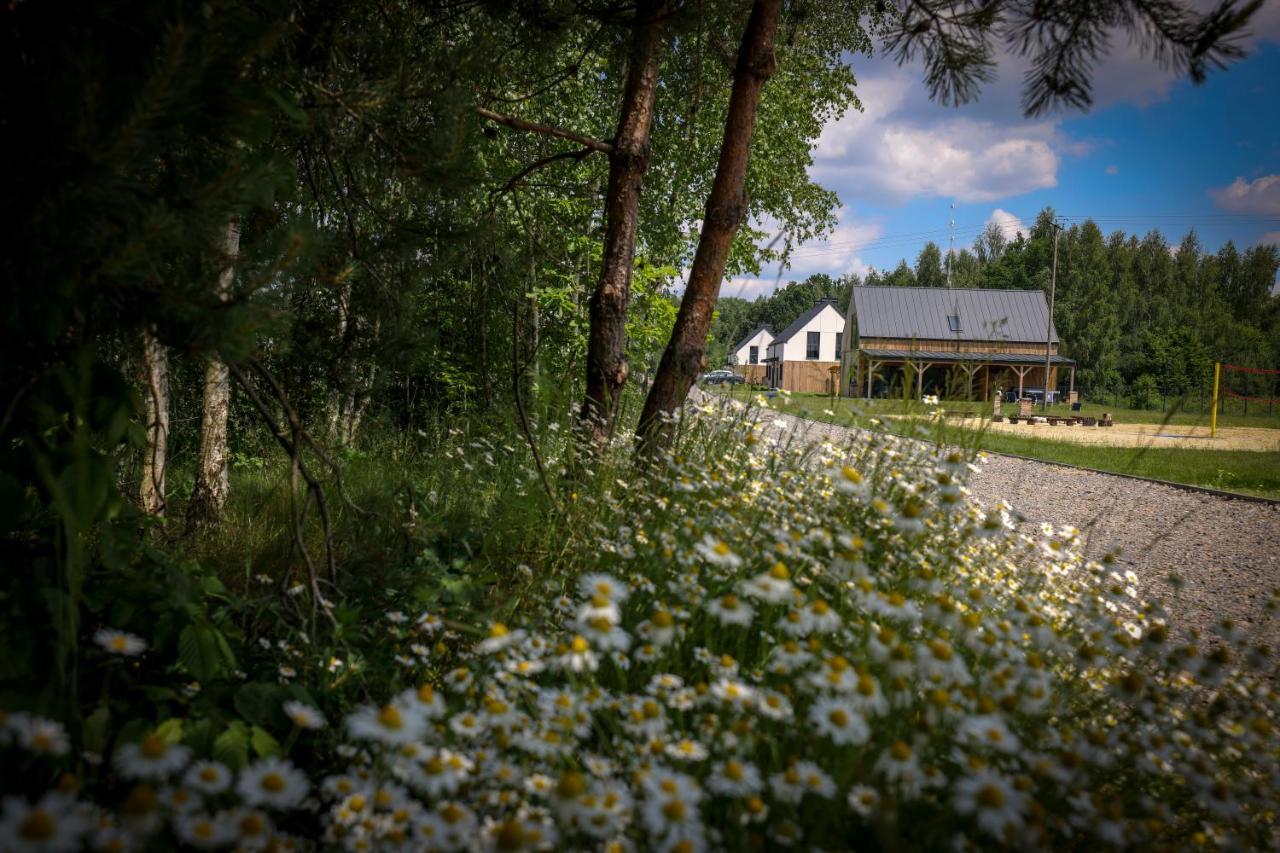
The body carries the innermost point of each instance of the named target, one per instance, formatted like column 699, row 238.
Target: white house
column 748, row 354
column 803, row 354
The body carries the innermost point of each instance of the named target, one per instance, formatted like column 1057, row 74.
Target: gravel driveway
column 1226, row 551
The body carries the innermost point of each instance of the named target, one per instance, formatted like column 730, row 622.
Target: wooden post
column 1072, row 389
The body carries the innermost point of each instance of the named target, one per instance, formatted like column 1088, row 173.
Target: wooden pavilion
column 940, row 338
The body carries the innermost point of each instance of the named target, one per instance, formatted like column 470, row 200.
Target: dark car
column 719, row 377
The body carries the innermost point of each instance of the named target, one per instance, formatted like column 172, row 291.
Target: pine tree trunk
column 606, row 344
column 685, row 354
column 155, row 400
column 212, row 481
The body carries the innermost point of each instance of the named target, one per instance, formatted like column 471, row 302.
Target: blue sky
column 1154, row 152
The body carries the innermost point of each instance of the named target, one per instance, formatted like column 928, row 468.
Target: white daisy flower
column 53, row 823
column 396, row 723
column 303, row 715
column 836, row 718
column 274, row 783
column 39, row 735
column 207, row 777
column 120, row 642
column 203, row 831
column 603, row 586
column 863, row 800
column 995, row 803
column 150, row 758
column 717, row 552
column 733, row 778
column 731, row 610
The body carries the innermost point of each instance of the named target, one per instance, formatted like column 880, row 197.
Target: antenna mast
column 951, row 244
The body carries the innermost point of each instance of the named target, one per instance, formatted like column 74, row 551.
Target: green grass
column 1242, row 471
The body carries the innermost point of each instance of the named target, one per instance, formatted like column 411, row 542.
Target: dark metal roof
column 742, row 343
column 798, row 323
column 922, row 312
column 941, row 355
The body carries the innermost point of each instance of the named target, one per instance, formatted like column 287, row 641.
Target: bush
column 1144, row 394
column 768, row 645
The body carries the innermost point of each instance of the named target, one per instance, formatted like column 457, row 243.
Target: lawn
column 1245, row 472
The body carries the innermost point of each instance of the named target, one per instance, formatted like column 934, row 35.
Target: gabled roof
column 742, row 343
column 922, row 312
column 800, row 322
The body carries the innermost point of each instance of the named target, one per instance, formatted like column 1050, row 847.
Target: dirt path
column 1139, row 435
column 1226, row 551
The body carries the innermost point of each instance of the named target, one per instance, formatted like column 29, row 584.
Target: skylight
column 953, row 320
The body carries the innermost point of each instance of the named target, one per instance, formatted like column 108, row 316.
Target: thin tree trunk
column 155, row 399
column 212, row 482
column 628, row 161
column 685, row 354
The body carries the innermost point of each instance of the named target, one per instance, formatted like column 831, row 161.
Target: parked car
column 719, row 377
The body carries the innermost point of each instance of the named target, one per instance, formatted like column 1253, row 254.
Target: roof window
column 953, row 320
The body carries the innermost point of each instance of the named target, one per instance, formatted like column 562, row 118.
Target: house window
column 753, row 356
column 839, row 341
column 953, row 320
column 811, row 350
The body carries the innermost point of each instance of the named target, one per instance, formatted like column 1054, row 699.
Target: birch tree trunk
column 212, row 481
column 685, row 354
column 155, row 400
column 628, row 162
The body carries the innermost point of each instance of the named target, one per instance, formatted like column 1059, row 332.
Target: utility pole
column 1048, row 332
column 951, row 243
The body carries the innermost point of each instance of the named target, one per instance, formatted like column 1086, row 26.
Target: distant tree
column 929, row 268
column 901, row 276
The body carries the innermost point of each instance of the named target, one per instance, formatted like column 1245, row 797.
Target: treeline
column 1142, row 317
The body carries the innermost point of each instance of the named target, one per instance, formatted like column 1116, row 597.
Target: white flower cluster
column 816, row 647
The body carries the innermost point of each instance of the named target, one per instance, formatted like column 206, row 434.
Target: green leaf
column 170, row 731
column 264, row 745
column 261, row 703
column 203, row 651
column 232, row 746
column 95, row 730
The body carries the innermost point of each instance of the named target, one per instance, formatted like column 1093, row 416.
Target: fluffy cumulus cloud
column 1261, row 195
column 1008, row 224
column 903, row 147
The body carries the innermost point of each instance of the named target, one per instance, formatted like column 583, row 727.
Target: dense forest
column 349, row 497
column 1141, row 316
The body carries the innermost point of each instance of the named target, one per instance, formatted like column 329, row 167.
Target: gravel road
column 1226, row 551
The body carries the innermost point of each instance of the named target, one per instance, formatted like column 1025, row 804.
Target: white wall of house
column 760, row 339
column 827, row 322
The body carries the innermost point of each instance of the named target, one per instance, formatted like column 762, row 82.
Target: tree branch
column 546, row 129
column 580, row 154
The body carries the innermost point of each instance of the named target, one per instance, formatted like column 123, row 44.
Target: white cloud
column 837, row 253
column 1271, row 238
column 1261, row 195
column 1009, row 224
column 750, row 288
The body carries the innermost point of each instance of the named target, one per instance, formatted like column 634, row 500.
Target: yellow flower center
column 426, row 694
column 497, row 629
column 734, row 771
column 37, row 826
column 389, row 717
column 755, row 805
column 838, row 717
column 866, row 685
column 853, row 475
column 153, row 747
column 674, row 810
column 662, row 619
column 991, row 796
column 209, row 775
column 779, row 572
column 273, row 782
column 900, row 751
column 119, row 644
column 729, row 602
column 571, row 785
column 452, row 813
column 722, row 549
column 580, row 644
column 252, row 824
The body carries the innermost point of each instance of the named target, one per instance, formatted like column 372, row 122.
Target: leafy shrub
column 768, row 645
column 1144, row 394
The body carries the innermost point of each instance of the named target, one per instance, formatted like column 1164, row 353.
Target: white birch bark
column 155, row 399
column 212, row 479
